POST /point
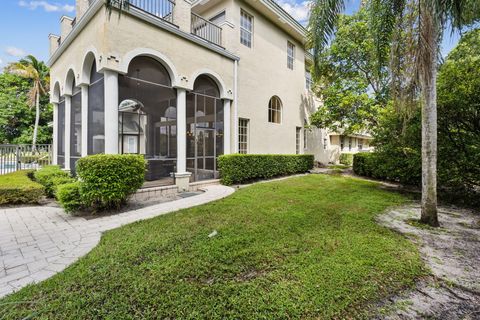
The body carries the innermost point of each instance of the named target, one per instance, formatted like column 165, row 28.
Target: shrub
column 17, row 187
column 346, row 159
column 108, row 180
column 68, row 195
column 50, row 177
column 238, row 168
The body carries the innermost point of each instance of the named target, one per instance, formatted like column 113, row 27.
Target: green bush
column 17, row 187
column 108, row 180
column 346, row 159
column 50, row 177
column 69, row 196
column 238, row 168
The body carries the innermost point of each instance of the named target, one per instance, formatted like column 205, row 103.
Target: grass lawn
column 305, row 247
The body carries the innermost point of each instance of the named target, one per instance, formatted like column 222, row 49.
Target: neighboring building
column 182, row 83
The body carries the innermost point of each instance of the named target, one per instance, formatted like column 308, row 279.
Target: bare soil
column 452, row 253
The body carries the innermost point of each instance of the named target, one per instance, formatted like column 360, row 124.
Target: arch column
column 84, row 138
column 111, row 111
column 227, row 133
column 68, row 122
column 182, row 177
column 55, row 134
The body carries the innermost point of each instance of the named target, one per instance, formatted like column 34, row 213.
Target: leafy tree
column 350, row 77
column 38, row 73
column 17, row 118
column 426, row 21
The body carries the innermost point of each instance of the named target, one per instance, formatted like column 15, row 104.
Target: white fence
column 15, row 157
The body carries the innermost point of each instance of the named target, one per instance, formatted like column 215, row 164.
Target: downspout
column 235, row 107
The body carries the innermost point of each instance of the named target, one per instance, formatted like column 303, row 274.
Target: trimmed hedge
column 17, row 187
column 69, row 196
column 364, row 164
column 50, row 177
column 108, row 180
column 238, row 168
column 346, row 159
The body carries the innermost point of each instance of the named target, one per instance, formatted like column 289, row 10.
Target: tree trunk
column 428, row 80
column 37, row 120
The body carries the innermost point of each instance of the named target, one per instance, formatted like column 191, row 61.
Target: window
column 290, row 54
column 342, row 142
column 243, row 136
column 219, row 18
column 350, row 144
column 275, row 110
column 324, row 143
column 297, row 140
column 246, row 29
column 308, row 80
column 360, row 144
column 305, row 125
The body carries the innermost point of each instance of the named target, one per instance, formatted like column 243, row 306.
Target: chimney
column 81, row 7
column 65, row 27
column 54, row 43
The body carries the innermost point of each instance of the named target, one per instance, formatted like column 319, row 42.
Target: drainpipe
column 235, row 107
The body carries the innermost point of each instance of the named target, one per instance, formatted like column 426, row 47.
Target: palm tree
column 427, row 20
column 37, row 71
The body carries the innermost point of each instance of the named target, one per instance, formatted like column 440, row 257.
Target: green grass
column 338, row 166
column 17, row 188
column 305, row 247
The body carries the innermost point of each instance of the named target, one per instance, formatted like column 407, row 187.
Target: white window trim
column 280, row 110
column 292, row 57
column 242, row 11
column 247, row 134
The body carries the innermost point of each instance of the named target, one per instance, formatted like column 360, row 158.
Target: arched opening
column 75, row 126
column 96, row 112
column 275, row 110
column 148, row 117
column 204, row 129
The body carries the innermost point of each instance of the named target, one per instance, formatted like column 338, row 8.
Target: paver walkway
column 37, row 242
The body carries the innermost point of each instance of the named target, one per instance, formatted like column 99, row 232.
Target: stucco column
column 227, row 135
column 111, row 111
column 84, row 119
column 182, row 177
column 55, row 134
column 68, row 122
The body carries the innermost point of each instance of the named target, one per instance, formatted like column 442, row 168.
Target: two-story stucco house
column 183, row 82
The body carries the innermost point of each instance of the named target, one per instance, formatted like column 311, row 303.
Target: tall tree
column 38, row 73
column 427, row 20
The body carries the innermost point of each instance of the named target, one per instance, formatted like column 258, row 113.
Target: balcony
column 206, row 30
column 162, row 9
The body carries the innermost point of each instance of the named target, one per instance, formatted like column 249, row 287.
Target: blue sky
column 25, row 25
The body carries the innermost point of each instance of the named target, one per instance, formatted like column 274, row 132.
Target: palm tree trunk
column 428, row 81
column 37, row 120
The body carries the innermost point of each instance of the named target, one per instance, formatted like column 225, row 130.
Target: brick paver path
column 37, row 242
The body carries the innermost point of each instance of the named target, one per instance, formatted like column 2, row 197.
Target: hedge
column 17, row 187
column 50, row 177
column 69, row 196
column 346, row 159
column 238, row 168
column 108, row 180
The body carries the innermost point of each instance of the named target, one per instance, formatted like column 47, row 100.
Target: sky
column 26, row 24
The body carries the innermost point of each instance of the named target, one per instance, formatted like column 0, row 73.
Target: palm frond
column 321, row 27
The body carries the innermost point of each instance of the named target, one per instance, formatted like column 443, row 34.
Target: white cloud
column 299, row 10
column 15, row 52
column 47, row 6
column 1, row 61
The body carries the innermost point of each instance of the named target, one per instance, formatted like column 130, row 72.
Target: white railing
column 206, row 30
column 162, row 9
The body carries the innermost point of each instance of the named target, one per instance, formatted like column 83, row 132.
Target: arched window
column 275, row 110
column 96, row 112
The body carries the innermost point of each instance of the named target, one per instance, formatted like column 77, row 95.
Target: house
column 183, row 82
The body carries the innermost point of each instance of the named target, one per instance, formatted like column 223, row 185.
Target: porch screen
column 96, row 112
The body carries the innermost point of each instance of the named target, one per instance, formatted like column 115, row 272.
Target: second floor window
column 308, row 80
column 290, row 54
column 246, row 29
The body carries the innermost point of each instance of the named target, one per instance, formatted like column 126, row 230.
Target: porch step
column 194, row 186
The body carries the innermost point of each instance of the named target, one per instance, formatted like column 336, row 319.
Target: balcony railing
column 162, row 9
column 206, row 30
